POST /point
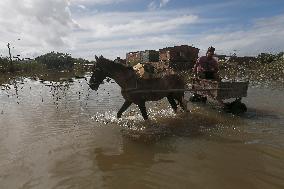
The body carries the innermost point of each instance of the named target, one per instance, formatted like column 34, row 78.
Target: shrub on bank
column 4, row 64
column 257, row 72
column 57, row 61
column 50, row 61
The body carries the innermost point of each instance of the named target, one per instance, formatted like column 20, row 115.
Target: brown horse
column 127, row 79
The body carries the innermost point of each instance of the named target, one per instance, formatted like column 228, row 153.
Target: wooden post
column 11, row 68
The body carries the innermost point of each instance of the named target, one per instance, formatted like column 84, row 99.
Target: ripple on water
column 54, row 130
column 164, row 123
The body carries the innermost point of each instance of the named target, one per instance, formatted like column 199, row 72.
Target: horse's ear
column 101, row 56
column 96, row 57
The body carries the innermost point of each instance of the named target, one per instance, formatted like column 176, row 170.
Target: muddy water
column 63, row 135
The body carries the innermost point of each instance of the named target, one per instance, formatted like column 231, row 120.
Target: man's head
column 210, row 52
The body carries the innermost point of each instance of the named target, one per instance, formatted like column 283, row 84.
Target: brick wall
column 179, row 57
column 133, row 58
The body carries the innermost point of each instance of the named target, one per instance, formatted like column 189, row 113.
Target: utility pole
column 9, row 52
column 10, row 56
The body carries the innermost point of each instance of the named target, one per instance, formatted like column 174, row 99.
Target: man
column 206, row 67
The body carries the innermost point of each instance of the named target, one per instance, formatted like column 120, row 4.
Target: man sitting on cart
column 206, row 67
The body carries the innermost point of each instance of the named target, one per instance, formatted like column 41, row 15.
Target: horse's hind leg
column 123, row 108
column 143, row 110
column 182, row 102
column 172, row 103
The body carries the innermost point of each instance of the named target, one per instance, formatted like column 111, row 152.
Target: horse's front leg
column 123, row 108
column 143, row 110
column 172, row 103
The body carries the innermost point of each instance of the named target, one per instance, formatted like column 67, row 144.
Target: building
column 150, row 56
column 120, row 61
column 179, row 57
column 133, row 58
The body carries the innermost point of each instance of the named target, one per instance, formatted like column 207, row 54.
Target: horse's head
column 99, row 74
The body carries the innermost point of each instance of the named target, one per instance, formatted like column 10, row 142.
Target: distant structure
column 221, row 57
column 120, row 61
column 133, row 58
column 149, row 56
column 178, row 57
column 246, row 60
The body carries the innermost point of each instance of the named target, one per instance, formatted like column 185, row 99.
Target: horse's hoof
column 145, row 118
column 204, row 99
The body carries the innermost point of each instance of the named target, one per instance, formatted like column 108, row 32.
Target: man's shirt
column 204, row 64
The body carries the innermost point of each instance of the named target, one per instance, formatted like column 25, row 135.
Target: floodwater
column 63, row 135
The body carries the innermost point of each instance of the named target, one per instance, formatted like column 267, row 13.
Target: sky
column 85, row 28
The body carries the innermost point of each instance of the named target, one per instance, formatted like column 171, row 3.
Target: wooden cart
column 220, row 91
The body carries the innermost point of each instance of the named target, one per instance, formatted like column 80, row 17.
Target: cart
column 221, row 91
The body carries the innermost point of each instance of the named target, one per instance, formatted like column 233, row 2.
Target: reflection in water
column 131, row 165
column 60, row 134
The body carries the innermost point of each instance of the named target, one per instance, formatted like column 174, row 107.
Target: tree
column 58, row 61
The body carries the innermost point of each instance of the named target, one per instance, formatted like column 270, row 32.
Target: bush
column 264, row 58
column 58, row 61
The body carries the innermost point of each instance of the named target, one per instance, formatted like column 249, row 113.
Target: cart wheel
column 195, row 98
column 237, row 108
column 204, row 99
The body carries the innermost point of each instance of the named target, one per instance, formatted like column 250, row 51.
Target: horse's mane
column 107, row 64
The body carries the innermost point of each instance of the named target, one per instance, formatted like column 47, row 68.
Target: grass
column 255, row 72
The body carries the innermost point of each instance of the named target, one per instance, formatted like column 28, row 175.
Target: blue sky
column 113, row 27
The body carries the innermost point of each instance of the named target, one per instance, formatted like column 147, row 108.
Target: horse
column 127, row 79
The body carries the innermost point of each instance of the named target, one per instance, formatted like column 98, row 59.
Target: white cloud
column 82, row 7
column 132, row 24
column 95, row 2
column 43, row 26
column 48, row 25
column 156, row 4
column 122, row 32
column 266, row 35
column 40, row 25
column 152, row 5
column 164, row 3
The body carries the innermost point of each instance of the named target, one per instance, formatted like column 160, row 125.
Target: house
column 133, row 58
column 179, row 57
column 120, row 61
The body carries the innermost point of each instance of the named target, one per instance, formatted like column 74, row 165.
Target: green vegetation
column 264, row 68
column 264, row 58
column 267, row 68
column 50, row 61
column 44, row 67
column 4, row 64
column 56, row 61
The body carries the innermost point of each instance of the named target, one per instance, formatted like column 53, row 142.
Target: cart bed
column 224, row 90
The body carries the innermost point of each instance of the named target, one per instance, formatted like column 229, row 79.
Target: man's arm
column 196, row 65
column 216, row 69
column 216, row 66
